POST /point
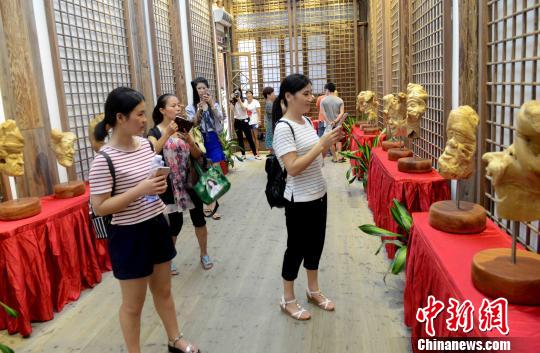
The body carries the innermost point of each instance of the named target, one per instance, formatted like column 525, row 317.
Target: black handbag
column 101, row 223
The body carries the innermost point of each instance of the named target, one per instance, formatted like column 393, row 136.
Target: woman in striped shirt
column 140, row 246
column 299, row 150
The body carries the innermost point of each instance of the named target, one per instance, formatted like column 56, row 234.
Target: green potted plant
column 228, row 146
column 12, row 313
column 362, row 157
column 404, row 220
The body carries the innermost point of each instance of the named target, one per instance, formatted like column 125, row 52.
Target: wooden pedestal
column 361, row 124
column 69, row 189
column 414, row 165
column 469, row 218
column 494, row 274
column 21, row 208
column 371, row 130
column 396, row 153
column 386, row 145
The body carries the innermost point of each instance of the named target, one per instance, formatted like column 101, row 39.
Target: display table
column 439, row 264
column 415, row 191
column 47, row 260
column 362, row 138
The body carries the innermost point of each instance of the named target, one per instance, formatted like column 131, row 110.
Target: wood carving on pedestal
column 12, row 163
column 515, row 175
column 367, row 104
column 416, row 107
column 457, row 162
column 62, row 145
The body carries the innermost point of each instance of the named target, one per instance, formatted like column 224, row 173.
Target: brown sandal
column 297, row 315
column 323, row 304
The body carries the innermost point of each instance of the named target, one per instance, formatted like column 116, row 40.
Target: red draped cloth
column 363, row 139
column 47, row 260
column 415, row 191
column 439, row 264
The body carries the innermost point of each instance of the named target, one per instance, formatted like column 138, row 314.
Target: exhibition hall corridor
column 234, row 306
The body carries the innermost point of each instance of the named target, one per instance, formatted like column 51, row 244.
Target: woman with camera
column 241, row 122
column 206, row 113
column 179, row 149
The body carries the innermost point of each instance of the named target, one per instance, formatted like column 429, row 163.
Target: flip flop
column 216, row 216
column 212, row 212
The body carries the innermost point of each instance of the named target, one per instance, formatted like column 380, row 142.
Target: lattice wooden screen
column 202, row 42
column 372, row 33
column 162, row 36
column 378, row 88
column 322, row 47
column 395, row 45
column 513, row 78
column 430, row 52
column 93, row 57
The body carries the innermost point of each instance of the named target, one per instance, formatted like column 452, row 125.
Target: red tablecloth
column 362, row 138
column 415, row 191
column 439, row 264
column 47, row 260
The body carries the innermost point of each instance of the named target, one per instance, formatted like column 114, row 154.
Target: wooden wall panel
column 468, row 75
column 23, row 96
column 510, row 76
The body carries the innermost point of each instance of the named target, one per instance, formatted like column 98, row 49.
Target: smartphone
column 184, row 125
column 162, row 171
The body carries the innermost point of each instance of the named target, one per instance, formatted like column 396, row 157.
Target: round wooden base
column 494, row 274
column 371, row 131
column 386, row 145
column 69, row 189
column 414, row 165
column 396, row 153
column 469, row 218
column 21, row 208
column 361, row 124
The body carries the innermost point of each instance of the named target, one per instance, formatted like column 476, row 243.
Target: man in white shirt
column 333, row 110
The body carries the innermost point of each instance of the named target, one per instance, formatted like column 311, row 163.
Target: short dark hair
column 330, row 86
column 267, row 91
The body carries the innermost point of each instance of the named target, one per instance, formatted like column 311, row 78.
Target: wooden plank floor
column 234, row 306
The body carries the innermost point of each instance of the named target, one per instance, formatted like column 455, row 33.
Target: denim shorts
column 135, row 249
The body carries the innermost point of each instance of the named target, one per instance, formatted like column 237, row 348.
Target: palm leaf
column 405, row 216
column 6, row 349
column 399, row 260
column 11, row 312
column 352, row 180
column 376, row 231
column 388, row 241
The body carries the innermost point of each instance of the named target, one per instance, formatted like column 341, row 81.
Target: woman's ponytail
column 277, row 110
column 101, row 131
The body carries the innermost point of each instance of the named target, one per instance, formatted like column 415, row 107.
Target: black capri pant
column 306, row 230
column 242, row 128
column 176, row 219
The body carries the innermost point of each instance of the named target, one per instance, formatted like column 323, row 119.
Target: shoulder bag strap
column 111, row 169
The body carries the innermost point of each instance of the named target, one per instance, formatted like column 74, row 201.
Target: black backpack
column 101, row 224
column 276, row 178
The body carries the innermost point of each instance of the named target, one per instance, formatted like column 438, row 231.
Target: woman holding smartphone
column 299, row 150
column 140, row 246
column 206, row 113
column 177, row 148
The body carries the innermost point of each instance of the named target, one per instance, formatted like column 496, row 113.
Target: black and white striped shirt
column 309, row 185
column 130, row 167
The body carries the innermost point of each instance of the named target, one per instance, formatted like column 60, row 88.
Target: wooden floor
column 234, row 307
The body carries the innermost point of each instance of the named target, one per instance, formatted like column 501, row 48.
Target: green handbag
column 212, row 184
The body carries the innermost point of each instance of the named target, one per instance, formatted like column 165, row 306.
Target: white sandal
column 297, row 314
column 324, row 304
